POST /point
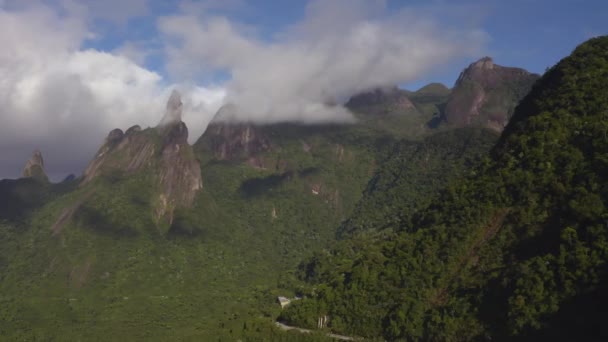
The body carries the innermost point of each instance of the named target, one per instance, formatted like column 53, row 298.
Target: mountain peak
column 173, row 113
column 162, row 152
column 115, row 135
column 486, row 94
column 486, row 63
column 397, row 97
column 434, row 88
column 228, row 140
column 34, row 167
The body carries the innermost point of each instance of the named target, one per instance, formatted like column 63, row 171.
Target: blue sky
column 532, row 34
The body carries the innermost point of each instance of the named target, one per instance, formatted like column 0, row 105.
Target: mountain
column 34, row 168
column 486, row 94
column 433, row 90
column 516, row 250
column 412, row 172
column 225, row 140
column 137, row 249
column 163, row 152
column 19, row 198
column 397, row 111
column 95, row 261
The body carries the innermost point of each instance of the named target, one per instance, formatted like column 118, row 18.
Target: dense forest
column 518, row 249
column 401, row 226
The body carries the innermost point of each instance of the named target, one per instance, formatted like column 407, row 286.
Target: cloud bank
column 63, row 100
column 339, row 48
column 60, row 95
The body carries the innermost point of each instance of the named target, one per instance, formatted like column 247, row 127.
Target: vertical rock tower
column 163, row 151
column 34, row 168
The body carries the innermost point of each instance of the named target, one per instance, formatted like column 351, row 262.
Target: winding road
column 307, row 331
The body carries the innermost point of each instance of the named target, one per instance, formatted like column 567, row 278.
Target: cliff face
column 180, row 173
column 34, row 168
column 163, row 151
column 230, row 141
column 486, row 94
column 127, row 152
column 393, row 99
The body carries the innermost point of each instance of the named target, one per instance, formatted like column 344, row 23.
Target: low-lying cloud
column 61, row 96
column 339, row 48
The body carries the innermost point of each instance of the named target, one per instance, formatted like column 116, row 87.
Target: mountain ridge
column 496, row 255
column 208, row 263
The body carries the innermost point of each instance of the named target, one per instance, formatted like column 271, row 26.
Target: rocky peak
column 486, row 94
column 173, row 113
column 486, row 63
column 34, row 167
column 230, row 140
column 114, row 136
column 487, row 73
column 163, row 151
column 132, row 130
column 175, row 134
column 433, row 89
column 392, row 96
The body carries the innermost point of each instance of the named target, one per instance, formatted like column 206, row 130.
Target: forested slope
column 516, row 250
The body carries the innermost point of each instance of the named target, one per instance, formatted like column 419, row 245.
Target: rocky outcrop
column 163, row 151
column 34, row 168
column 122, row 153
column 226, row 139
column 433, row 89
column 180, row 173
column 394, row 99
column 230, row 141
column 486, row 94
column 133, row 130
column 173, row 113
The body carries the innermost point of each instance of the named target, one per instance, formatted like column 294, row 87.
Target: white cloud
column 340, row 47
column 134, row 51
column 64, row 100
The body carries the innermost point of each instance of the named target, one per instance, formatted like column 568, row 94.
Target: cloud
column 339, row 48
column 115, row 11
column 61, row 96
column 62, row 99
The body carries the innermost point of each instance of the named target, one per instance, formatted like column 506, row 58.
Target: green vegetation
column 517, row 250
column 412, row 173
column 399, row 112
column 110, row 271
column 441, row 238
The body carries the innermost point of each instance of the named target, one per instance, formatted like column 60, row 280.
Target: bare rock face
column 34, row 168
column 121, row 152
column 174, row 110
column 486, row 94
column 163, row 151
column 180, row 173
column 115, row 135
column 132, row 130
column 229, row 140
column 395, row 99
